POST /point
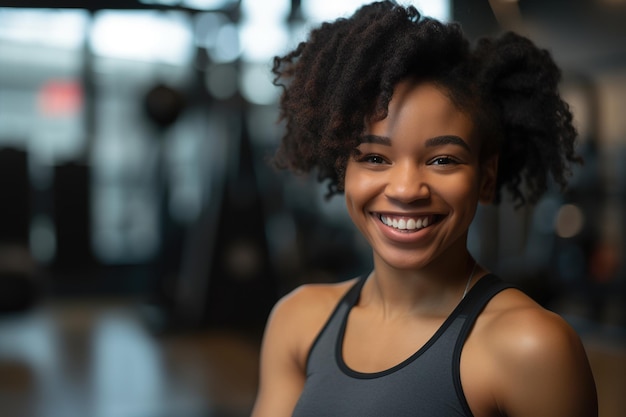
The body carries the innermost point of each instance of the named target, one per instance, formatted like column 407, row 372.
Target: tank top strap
column 469, row 309
column 326, row 341
column 480, row 294
column 353, row 294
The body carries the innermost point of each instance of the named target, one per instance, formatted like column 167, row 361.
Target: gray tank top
column 427, row 384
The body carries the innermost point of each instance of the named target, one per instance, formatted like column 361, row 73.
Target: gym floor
column 98, row 358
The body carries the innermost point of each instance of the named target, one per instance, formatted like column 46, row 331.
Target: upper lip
column 403, row 214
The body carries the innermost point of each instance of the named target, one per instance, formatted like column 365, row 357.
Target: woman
column 416, row 128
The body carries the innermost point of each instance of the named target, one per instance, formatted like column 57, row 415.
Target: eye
column 373, row 159
column 443, row 160
column 370, row 158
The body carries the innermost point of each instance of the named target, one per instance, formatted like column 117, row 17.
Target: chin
column 402, row 262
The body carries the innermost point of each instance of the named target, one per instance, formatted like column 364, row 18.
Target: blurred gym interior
column 144, row 237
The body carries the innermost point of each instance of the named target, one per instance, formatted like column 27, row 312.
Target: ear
column 488, row 179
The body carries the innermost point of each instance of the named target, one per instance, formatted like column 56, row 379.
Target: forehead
column 422, row 107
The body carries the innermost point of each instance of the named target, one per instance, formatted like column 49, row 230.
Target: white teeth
column 402, row 224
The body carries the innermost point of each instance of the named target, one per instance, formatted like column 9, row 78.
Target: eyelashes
column 444, row 160
column 377, row 159
column 372, row 159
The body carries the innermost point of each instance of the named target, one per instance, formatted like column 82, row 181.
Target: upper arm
column 281, row 374
column 545, row 370
column 294, row 323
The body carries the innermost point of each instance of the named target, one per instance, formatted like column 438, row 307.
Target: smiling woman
column 420, row 163
column 417, row 129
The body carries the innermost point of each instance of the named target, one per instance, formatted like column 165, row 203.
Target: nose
column 407, row 183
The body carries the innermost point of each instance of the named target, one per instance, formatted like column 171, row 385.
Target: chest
column 369, row 345
column 426, row 368
column 420, row 379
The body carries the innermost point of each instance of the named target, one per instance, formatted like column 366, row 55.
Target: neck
column 434, row 289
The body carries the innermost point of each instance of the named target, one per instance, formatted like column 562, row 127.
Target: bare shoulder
column 539, row 363
column 310, row 302
column 299, row 316
column 293, row 325
column 518, row 328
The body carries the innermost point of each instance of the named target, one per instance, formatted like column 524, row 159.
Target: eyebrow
column 380, row 140
column 447, row 140
column 432, row 142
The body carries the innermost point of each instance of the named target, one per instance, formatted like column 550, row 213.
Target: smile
column 404, row 223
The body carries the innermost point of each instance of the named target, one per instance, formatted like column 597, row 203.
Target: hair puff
column 345, row 72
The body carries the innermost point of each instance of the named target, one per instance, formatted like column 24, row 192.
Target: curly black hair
column 346, row 71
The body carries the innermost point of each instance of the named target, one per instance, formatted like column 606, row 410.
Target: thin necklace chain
column 469, row 280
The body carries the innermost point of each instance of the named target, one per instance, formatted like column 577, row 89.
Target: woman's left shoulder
column 538, row 361
column 515, row 323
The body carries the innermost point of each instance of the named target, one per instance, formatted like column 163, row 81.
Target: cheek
column 350, row 188
column 463, row 193
column 355, row 198
column 359, row 189
column 354, row 180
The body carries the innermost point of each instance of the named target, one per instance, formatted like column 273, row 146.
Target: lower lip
column 402, row 236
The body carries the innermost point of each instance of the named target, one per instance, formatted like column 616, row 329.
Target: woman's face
column 415, row 180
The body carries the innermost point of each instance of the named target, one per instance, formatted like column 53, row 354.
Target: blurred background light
column 59, row 28
column 268, row 11
column 207, row 26
column 123, row 361
column 439, row 9
column 227, row 46
column 569, row 221
column 263, row 27
column 322, row 10
column 256, row 85
column 218, row 35
column 60, row 97
column 143, row 36
column 261, row 42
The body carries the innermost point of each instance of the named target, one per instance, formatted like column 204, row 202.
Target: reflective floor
column 98, row 358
